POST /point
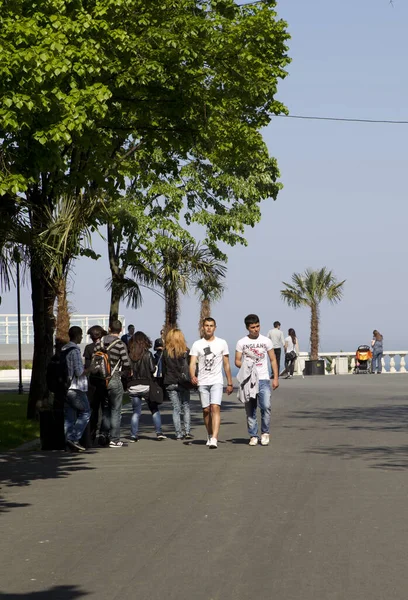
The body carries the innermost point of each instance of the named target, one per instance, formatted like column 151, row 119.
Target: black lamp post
column 17, row 258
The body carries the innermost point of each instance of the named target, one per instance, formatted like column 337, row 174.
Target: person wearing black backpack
column 176, row 379
column 112, row 390
column 76, row 408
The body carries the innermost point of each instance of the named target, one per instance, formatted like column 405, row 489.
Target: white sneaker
column 253, row 441
column 208, row 441
column 265, row 439
column 213, row 442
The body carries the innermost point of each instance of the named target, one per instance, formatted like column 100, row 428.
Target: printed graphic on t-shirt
column 209, row 359
column 260, row 348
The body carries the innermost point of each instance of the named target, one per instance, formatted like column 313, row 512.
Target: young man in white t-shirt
column 211, row 354
column 278, row 341
column 261, row 346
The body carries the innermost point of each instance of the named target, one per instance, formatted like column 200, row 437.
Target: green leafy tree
column 90, row 91
column 134, row 226
column 310, row 289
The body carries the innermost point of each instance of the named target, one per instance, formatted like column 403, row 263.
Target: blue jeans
column 180, row 399
column 264, row 401
column 137, row 411
column 77, row 414
column 376, row 363
column 112, row 409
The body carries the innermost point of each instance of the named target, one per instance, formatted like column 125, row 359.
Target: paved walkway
column 321, row 514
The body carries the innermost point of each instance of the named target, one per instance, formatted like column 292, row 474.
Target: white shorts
column 210, row 394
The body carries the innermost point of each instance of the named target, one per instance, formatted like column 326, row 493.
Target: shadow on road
column 383, row 417
column 59, row 592
column 390, row 458
column 21, row 468
column 380, row 418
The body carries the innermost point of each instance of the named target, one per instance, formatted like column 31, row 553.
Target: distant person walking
column 278, row 341
column 176, row 379
column 258, row 347
column 377, row 350
column 211, row 354
column 158, row 353
column 76, row 407
column 127, row 336
column 291, row 352
column 141, row 383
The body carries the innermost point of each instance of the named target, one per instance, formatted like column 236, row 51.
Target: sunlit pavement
column 320, row 514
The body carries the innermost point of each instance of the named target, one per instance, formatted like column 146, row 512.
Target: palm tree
column 180, row 267
column 310, row 289
column 129, row 288
column 209, row 289
column 14, row 234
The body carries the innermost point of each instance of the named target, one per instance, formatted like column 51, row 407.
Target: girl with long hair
column 139, row 387
column 177, row 381
column 291, row 352
column 377, row 350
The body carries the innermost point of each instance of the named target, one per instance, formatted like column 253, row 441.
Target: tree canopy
column 166, row 98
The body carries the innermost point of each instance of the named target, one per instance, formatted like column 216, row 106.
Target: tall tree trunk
column 314, row 332
column 205, row 312
column 62, row 324
column 117, row 271
column 43, row 298
column 171, row 309
column 116, row 295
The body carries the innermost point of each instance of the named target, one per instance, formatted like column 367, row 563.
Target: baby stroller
column 363, row 358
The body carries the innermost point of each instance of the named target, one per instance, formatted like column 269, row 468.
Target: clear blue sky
column 344, row 199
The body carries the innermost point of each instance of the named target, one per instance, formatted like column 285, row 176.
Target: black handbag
column 156, row 393
column 184, row 379
column 291, row 355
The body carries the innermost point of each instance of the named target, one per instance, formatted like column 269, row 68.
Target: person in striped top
column 111, row 401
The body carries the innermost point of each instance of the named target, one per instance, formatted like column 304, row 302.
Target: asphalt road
column 320, row 514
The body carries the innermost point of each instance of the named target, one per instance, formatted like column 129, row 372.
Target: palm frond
column 68, row 230
column 311, row 287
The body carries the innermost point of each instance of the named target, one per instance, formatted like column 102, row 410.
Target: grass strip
column 15, row 428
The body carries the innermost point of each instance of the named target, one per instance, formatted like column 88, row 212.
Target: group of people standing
column 172, row 372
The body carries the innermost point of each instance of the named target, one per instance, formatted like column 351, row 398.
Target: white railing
column 343, row 363
column 9, row 326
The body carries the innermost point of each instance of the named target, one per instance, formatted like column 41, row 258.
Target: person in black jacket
column 158, row 355
column 96, row 332
column 139, row 388
column 176, row 381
